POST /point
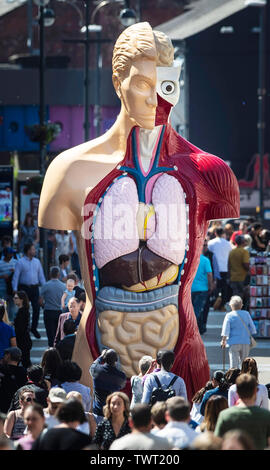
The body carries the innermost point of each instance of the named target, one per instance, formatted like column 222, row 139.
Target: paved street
column 211, row 341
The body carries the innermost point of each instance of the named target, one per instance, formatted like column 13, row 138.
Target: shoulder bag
column 252, row 343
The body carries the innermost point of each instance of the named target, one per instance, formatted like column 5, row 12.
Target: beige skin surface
column 75, row 172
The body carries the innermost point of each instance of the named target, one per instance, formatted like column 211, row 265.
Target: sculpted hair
column 139, row 40
column 164, row 48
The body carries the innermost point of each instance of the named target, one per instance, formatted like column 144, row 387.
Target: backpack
column 161, row 394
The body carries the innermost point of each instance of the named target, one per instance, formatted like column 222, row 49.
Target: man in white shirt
column 177, row 428
column 221, row 249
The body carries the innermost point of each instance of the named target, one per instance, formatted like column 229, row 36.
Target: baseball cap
column 14, row 352
column 57, row 395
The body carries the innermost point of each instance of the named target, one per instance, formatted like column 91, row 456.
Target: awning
column 201, row 15
column 8, row 5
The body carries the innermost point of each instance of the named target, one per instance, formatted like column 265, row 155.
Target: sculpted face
column 149, row 92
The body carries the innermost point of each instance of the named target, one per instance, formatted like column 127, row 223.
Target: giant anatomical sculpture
column 140, row 198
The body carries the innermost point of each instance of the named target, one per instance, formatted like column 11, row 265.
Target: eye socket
column 167, row 87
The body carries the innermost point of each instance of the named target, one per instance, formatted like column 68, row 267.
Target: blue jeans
column 199, row 300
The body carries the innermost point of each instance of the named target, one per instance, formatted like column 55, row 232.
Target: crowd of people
column 223, row 269
column 46, row 407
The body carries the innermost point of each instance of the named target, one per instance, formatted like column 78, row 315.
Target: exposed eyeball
column 167, row 87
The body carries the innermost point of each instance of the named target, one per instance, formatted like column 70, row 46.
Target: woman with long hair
column 249, row 366
column 115, row 422
column 195, row 412
column 50, row 363
column 213, row 407
column 22, row 326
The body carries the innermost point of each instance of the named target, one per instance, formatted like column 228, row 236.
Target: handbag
column 253, row 342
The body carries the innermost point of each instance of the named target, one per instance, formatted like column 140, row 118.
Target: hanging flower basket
column 43, row 134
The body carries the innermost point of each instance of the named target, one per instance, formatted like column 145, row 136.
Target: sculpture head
column 144, row 75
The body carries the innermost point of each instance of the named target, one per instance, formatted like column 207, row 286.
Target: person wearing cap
column 238, row 264
column 56, row 397
column 220, row 388
column 7, row 268
column 13, row 376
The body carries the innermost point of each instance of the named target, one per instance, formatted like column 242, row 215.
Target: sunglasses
column 28, row 399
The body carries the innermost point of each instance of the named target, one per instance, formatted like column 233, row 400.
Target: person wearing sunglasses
column 14, row 426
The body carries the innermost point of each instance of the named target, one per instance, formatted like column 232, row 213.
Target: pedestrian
column 158, row 414
column 68, row 293
column 237, row 440
column 221, row 248
column 51, row 295
column 136, row 380
column 14, row 425
column 246, row 416
column 72, row 314
column 249, row 366
column 177, row 428
column 56, row 397
column 69, row 374
column 7, row 332
column 66, row 345
column 206, row 441
column 236, row 331
column 22, row 327
column 228, row 230
column 75, row 263
column 215, row 404
column 34, row 421
column 195, row 412
column 35, row 383
column 89, row 425
column 231, row 375
column 201, row 287
column 65, row 436
column 165, row 377
column 28, row 276
column 7, row 268
column 216, row 276
column 141, row 437
column 115, row 422
column 28, row 233
column 220, row 388
column 64, row 243
column 12, row 376
column 107, row 378
column 50, row 363
column 238, row 264
column 254, row 231
column 64, row 267
column 243, row 227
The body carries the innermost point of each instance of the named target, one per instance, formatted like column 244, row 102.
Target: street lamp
column 261, row 4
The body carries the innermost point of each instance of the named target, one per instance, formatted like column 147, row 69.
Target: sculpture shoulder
column 221, row 185
column 69, row 178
